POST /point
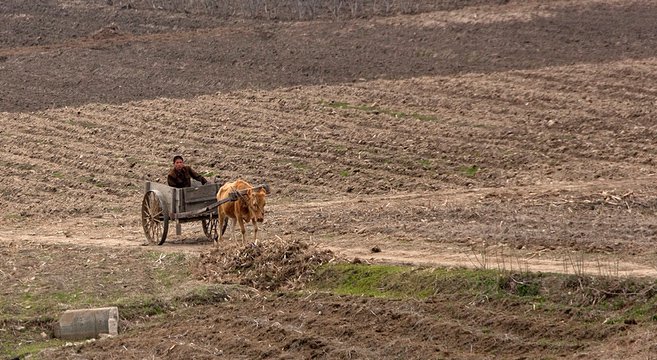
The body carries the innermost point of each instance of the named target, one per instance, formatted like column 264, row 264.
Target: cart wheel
column 154, row 218
column 210, row 227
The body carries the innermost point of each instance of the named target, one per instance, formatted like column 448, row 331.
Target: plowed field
column 520, row 130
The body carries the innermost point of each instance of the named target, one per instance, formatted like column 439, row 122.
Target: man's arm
column 171, row 180
column 197, row 176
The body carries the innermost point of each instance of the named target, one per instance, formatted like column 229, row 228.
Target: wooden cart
column 163, row 203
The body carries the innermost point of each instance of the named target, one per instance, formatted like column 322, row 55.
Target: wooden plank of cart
column 163, row 203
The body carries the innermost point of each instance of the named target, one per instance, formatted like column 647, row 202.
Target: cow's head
column 256, row 199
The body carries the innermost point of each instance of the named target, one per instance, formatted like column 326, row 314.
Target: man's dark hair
column 177, row 157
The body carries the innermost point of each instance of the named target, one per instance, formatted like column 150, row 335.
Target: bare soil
column 499, row 134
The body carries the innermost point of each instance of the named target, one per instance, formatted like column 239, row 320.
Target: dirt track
column 340, row 226
column 523, row 130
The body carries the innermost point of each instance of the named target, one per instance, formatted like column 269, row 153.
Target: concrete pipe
column 87, row 323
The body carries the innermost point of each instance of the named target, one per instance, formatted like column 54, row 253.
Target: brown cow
column 249, row 206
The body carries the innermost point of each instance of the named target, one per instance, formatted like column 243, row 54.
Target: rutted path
column 409, row 238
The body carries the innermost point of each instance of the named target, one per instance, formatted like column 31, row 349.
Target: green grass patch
column 162, row 265
column 370, row 280
column 392, row 281
column 470, row 171
column 32, row 305
column 175, row 259
column 395, row 281
column 58, row 175
column 141, row 306
column 12, row 216
column 337, row 104
column 72, row 297
column 31, row 348
column 23, row 166
column 299, row 165
column 593, row 300
column 344, row 173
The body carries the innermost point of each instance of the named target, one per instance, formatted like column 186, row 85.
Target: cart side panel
column 171, row 195
column 199, row 197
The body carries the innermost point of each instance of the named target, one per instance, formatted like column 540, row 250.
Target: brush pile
column 268, row 265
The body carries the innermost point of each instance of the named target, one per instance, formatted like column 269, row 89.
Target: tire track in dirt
column 408, row 211
column 351, row 245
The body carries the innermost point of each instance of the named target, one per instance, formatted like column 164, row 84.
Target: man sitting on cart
column 180, row 176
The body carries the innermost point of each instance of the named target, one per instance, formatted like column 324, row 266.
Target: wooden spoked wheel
column 154, row 217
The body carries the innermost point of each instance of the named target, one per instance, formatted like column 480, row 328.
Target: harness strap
column 244, row 199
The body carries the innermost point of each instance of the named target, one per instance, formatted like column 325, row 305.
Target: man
column 180, row 176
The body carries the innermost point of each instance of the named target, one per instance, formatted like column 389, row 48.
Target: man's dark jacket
column 182, row 178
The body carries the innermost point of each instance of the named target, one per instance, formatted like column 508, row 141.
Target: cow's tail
column 224, row 225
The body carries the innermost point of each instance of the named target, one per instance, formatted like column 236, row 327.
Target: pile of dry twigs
column 267, row 265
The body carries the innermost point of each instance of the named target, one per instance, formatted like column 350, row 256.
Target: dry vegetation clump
column 268, row 265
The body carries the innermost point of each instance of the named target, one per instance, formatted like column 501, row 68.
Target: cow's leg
column 243, row 230
column 240, row 221
column 255, row 231
column 222, row 227
column 232, row 228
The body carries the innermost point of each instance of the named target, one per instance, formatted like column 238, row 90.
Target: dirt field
column 484, row 133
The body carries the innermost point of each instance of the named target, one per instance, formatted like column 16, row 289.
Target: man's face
column 178, row 164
